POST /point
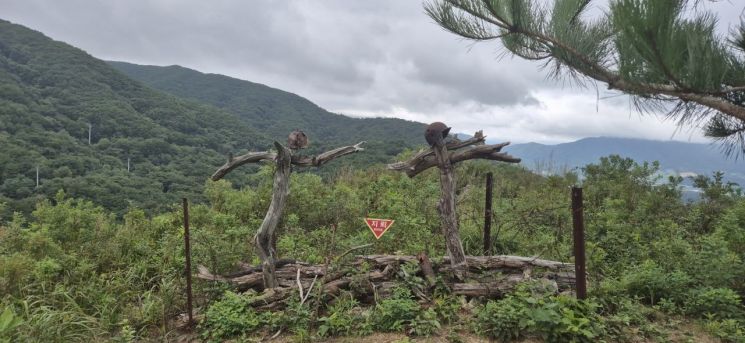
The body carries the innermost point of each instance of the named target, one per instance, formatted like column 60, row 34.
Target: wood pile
column 374, row 276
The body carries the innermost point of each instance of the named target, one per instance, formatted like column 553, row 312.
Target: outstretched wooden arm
column 251, row 157
column 317, row 161
column 301, row 161
column 422, row 162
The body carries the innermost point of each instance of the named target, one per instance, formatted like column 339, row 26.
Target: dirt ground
column 685, row 333
column 678, row 332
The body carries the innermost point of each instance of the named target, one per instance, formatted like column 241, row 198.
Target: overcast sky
column 361, row 58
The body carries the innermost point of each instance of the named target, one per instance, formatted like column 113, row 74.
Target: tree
column 658, row 51
column 444, row 156
column 283, row 160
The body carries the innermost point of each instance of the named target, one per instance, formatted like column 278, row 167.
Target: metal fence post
column 579, row 242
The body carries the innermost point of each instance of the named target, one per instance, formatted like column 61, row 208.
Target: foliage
column 341, row 319
column 555, row 318
column 633, row 47
column 395, row 314
column 503, row 319
column 73, row 271
column 230, row 316
column 714, row 302
column 728, row 330
column 50, row 92
column 8, row 322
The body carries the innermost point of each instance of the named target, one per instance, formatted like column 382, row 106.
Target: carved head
column 297, row 140
column 434, row 130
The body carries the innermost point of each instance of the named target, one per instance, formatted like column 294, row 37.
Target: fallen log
column 489, row 276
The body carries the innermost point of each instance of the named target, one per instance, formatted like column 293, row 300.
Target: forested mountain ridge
column 49, row 94
column 278, row 112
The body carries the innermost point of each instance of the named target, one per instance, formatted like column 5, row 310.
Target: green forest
column 50, row 92
column 96, row 157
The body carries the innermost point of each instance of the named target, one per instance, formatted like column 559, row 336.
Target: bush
column 565, row 319
column 503, row 319
column 396, row 313
column 728, row 330
column 340, row 319
column 230, row 316
column 555, row 318
column 716, row 302
column 425, row 324
column 651, row 283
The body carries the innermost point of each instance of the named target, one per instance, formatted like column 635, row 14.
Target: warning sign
column 378, row 226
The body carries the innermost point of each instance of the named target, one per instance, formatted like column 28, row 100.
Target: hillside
column 277, row 112
column 50, row 92
column 674, row 157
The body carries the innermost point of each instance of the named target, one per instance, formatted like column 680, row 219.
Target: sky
column 360, row 58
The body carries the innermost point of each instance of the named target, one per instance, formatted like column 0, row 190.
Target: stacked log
column 374, row 276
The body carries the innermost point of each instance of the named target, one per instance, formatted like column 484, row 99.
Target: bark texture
column 489, row 276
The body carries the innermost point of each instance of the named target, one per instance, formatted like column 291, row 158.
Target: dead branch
column 477, row 139
column 300, row 161
column 251, row 157
column 317, row 161
column 489, row 276
column 422, row 162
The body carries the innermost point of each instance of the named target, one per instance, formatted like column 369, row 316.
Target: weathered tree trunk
column 265, row 236
column 446, row 208
column 489, row 276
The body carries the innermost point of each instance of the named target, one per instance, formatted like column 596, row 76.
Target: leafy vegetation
column 75, row 270
column 72, row 271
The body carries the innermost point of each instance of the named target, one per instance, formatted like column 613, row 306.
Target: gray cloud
column 358, row 57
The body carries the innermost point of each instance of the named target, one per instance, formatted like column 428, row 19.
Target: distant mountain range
column 138, row 136
column 276, row 113
column 126, row 135
column 678, row 158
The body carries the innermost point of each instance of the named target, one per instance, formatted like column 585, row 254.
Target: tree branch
column 477, row 139
column 251, row 157
column 317, row 161
column 300, row 161
column 601, row 73
column 423, row 162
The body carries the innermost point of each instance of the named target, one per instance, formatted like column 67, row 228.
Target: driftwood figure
column 444, row 155
column 283, row 159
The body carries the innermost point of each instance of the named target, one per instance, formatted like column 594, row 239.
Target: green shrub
column 651, row 283
column 728, row 330
column 555, row 318
column 8, row 323
column 447, row 308
column 717, row 302
column 341, row 319
column 625, row 317
column 503, row 319
column 425, row 324
column 565, row 319
column 396, row 313
column 230, row 316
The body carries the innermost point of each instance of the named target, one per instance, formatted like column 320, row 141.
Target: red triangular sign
column 379, row 226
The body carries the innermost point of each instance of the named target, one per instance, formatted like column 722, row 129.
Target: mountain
column 276, row 112
column 674, row 157
column 49, row 94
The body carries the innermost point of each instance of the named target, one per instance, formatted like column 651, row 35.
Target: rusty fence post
column 488, row 213
column 187, row 253
column 579, row 243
